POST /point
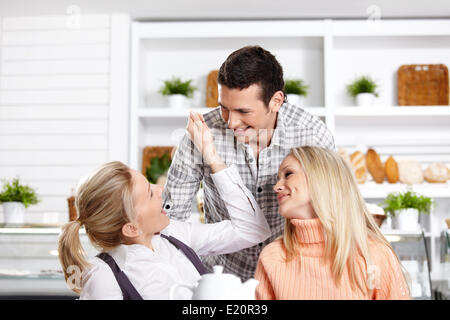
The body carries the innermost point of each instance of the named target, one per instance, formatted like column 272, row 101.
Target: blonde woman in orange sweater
column 331, row 247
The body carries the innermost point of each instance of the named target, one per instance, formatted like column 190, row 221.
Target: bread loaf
column 358, row 162
column 410, row 172
column 391, row 170
column 436, row 173
column 344, row 155
column 375, row 165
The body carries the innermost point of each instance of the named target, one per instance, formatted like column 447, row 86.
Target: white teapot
column 219, row 286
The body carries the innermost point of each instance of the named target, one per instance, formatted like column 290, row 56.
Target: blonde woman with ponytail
column 331, row 247
column 143, row 253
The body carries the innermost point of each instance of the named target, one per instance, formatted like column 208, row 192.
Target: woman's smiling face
column 147, row 200
column 292, row 190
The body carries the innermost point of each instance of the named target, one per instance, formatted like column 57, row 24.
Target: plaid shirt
column 295, row 127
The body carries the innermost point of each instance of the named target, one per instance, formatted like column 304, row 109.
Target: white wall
column 237, row 9
column 63, row 102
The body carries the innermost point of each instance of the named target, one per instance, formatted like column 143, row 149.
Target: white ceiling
column 236, row 9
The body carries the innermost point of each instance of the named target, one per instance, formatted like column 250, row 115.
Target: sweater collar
column 308, row 230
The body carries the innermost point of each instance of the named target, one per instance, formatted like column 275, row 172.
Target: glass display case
column 29, row 265
column 412, row 248
column 442, row 287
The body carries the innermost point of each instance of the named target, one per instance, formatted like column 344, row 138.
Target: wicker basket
column 154, row 152
column 422, row 85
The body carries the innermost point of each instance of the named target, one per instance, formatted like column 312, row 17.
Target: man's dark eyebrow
column 240, row 109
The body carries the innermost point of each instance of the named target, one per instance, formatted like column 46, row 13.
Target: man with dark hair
column 254, row 128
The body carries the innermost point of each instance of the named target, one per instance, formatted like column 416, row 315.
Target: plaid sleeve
column 183, row 180
column 323, row 136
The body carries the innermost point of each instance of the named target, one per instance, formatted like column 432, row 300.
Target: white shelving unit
column 372, row 190
column 326, row 54
column 409, row 112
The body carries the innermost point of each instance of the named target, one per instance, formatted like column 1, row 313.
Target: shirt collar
column 279, row 135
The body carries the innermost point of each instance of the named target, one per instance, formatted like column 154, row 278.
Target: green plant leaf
column 396, row 201
column 362, row 84
column 294, row 86
column 176, row 86
column 15, row 192
column 158, row 167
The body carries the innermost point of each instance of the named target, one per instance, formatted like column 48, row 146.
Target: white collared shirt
column 153, row 273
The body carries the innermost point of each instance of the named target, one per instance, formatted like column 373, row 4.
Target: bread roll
column 436, row 173
column 410, row 172
column 344, row 155
column 358, row 162
column 375, row 165
column 391, row 170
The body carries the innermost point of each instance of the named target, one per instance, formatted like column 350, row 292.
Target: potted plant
column 363, row 90
column 295, row 89
column 15, row 197
column 157, row 171
column 404, row 208
column 177, row 91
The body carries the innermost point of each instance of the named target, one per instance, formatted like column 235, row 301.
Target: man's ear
column 277, row 101
column 129, row 230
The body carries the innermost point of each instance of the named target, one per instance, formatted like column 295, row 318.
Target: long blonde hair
column 104, row 204
column 340, row 207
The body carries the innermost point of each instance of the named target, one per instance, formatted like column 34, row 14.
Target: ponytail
column 72, row 255
column 104, row 203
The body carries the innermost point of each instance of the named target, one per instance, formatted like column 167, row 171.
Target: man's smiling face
column 245, row 112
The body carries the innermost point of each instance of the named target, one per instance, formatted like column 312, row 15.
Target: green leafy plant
column 15, row 192
column 176, row 86
column 397, row 201
column 362, row 84
column 158, row 167
column 293, row 86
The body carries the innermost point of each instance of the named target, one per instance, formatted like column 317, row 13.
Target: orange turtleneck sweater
column 309, row 276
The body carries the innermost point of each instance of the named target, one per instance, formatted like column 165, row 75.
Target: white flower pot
column 295, row 99
column 406, row 219
column 365, row 99
column 13, row 212
column 177, row 101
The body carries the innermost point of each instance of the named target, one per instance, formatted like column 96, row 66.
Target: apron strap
column 189, row 253
column 128, row 290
